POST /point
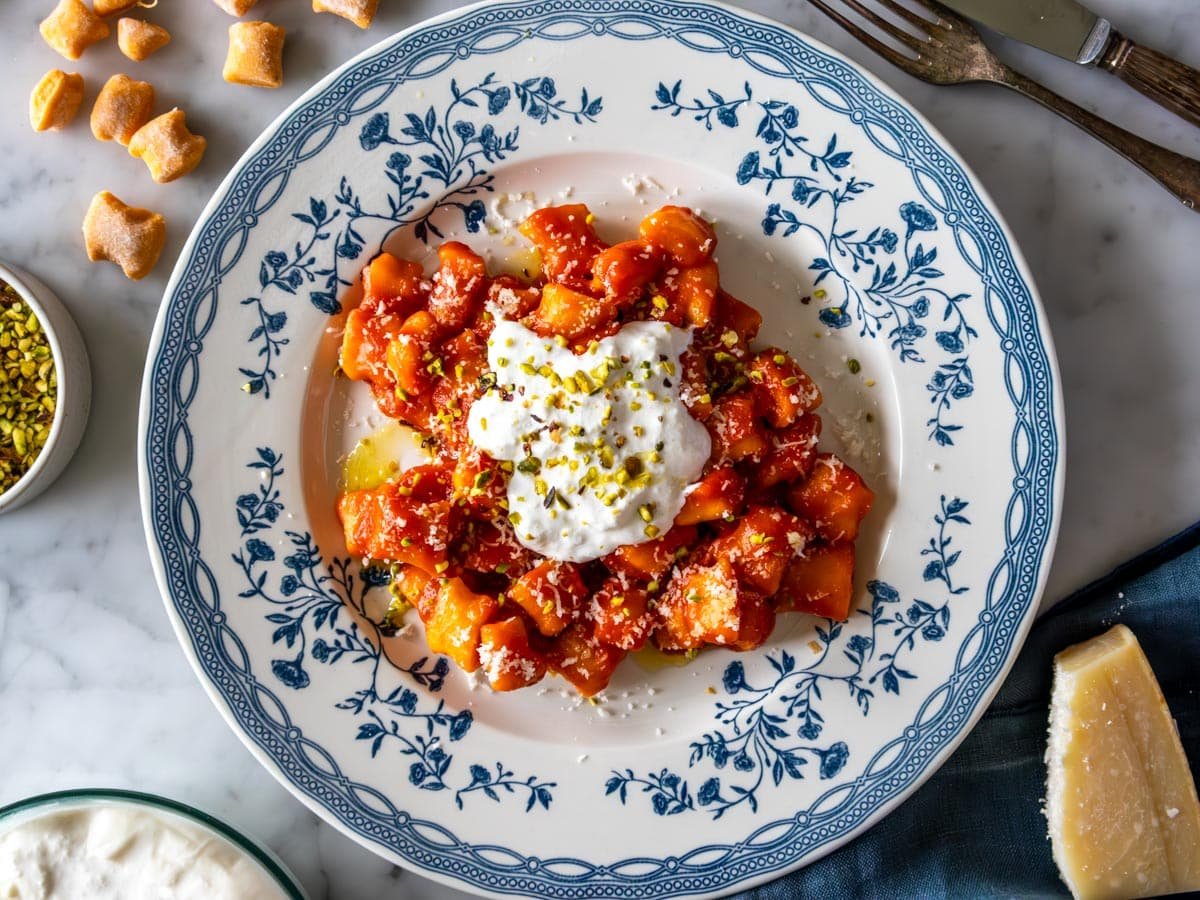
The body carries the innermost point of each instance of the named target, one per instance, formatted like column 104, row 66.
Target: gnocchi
column 122, row 107
column 55, row 100
column 255, row 54
column 235, row 7
column 130, row 237
column 769, row 527
column 167, row 147
column 71, row 28
column 360, row 12
column 138, row 39
column 112, row 7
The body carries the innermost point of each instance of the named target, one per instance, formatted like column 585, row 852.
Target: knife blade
column 1072, row 31
column 1062, row 27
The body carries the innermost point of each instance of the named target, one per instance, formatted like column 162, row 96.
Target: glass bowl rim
column 258, row 852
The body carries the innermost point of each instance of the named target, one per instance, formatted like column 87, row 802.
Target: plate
column 876, row 258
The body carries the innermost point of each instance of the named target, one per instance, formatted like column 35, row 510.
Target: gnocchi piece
column 255, row 54
column 72, row 28
column 360, row 12
column 55, row 100
column 122, row 107
column 138, row 39
column 130, row 237
column 112, row 7
column 167, row 147
column 235, row 7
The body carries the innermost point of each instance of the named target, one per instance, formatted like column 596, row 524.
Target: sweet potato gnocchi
column 255, row 54
column 112, row 7
column 139, row 40
column 122, row 107
column 71, row 28
column 360, row 12
column 55, row 100
column 235, row 7
column 766, row 527
column 167, row 147
column 130, row 237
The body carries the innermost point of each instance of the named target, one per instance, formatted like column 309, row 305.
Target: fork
column 950, row 50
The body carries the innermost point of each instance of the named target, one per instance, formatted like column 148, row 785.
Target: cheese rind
column 1121, row 802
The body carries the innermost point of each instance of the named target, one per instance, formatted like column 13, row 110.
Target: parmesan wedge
column 1121, row 802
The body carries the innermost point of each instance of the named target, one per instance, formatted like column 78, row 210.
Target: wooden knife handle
column 1164, row 80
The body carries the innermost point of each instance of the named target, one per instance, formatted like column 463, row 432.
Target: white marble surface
column 93, row 688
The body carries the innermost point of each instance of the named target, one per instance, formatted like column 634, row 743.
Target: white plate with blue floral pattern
column 869, row 247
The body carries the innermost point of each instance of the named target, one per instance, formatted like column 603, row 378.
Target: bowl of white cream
column 108, row 844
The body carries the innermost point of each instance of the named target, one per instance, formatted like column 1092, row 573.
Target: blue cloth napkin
column 976, row 828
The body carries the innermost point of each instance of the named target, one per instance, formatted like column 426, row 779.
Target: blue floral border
column 173, row 521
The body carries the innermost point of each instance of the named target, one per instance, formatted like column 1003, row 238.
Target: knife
column 1072, row 31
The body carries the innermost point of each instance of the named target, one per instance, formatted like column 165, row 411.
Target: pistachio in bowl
column 45, row 387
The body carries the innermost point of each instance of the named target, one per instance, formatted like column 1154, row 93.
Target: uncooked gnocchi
column 55, row 101
column 360, row 12
column 112, row 7
column 122, row 107
column 255, row 54
column 130, row 237
column 71, row 28
column 235, row 7
column 167, row 148
column 138, row 39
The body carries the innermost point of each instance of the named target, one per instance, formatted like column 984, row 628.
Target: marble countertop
column 93, row 688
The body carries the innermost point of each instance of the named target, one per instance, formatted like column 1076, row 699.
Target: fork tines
column 885, row 25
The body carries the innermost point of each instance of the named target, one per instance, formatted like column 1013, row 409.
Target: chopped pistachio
column 28, row 388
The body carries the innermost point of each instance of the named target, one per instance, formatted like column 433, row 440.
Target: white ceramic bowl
column 74, row 387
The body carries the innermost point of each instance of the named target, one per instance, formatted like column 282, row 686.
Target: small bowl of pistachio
column 45, row 387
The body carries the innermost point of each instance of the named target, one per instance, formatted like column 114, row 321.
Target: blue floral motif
column 260, row 509
column 308, row 604
column 724, row 111
column 444, row 155
column 769, row 734
column 939, row 566
column 270, row 344
column 918, row 217
column 886, row 276
column 486, row 780
column 952, row 381
column 538, row 100
column 669, row 793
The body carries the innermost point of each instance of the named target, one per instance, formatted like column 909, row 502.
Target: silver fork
column 951, row 51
